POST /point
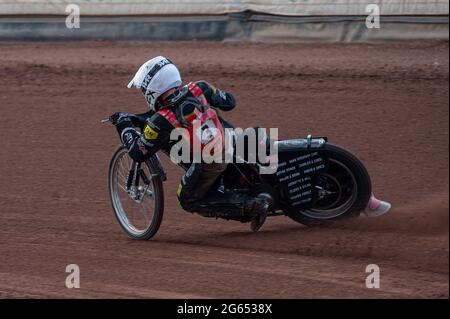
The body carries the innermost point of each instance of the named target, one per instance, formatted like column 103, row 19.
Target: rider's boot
column 376, row 207
column 258, row 208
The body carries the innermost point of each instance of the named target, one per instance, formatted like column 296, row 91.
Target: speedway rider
column 174, row 106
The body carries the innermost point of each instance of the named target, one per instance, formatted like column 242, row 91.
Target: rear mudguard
column 299, row 163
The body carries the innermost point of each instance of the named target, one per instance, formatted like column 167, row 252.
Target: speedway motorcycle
column 316, row 182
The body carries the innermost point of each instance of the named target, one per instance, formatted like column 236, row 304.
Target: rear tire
column 362, row 194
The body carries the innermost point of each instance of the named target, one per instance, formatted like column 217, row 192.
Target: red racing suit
column 193, row 103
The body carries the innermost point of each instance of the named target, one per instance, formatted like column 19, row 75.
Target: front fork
column 134, row 175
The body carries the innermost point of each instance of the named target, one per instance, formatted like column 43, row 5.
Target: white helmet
column 155, row 77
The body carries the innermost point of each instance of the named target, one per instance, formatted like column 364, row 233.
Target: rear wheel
column 342, row 191
column 138, row 204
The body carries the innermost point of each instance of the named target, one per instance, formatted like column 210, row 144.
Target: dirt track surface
column 387, row 103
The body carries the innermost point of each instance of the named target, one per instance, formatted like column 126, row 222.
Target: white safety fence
column 211, row 7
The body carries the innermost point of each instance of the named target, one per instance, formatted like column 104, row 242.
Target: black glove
column 121, row 120
column 118, row 117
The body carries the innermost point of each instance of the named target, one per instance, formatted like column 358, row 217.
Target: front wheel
column 136, row 194
column 342, row 191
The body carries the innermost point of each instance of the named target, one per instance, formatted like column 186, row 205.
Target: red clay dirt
column 388, row 103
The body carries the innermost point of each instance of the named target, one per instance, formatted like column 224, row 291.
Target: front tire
column 352, row 185
column 150, row 206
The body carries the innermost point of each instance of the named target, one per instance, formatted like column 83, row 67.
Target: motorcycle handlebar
column 138, row 120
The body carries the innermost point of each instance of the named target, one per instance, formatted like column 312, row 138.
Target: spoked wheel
column 342, row 191
column 136, row 194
